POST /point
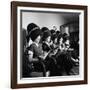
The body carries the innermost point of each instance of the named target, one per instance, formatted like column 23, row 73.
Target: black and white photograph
column 50, row 44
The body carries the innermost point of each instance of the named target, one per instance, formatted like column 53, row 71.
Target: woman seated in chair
column 49, row 61
column 54, row 45
column 64, row 57
column 34, row 50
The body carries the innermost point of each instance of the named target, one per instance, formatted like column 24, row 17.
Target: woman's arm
column 30, row 53
column 31, row 57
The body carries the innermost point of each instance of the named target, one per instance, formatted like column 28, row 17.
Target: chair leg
column 44, row 69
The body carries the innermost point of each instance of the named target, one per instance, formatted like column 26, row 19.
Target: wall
column 5, row 45
column 43, row 19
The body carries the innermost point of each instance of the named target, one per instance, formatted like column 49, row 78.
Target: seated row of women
column 50, row 48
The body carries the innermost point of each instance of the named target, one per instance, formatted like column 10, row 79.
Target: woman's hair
column 33, row 31
column 46, row 34
column 53, row 37
column 52, row 31
column 65, row 37
column 59, row 37
column 31, row 26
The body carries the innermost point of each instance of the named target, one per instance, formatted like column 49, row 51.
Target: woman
column 54, row 45
column 64, row 58
column 50, row 62
column 33, row 52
